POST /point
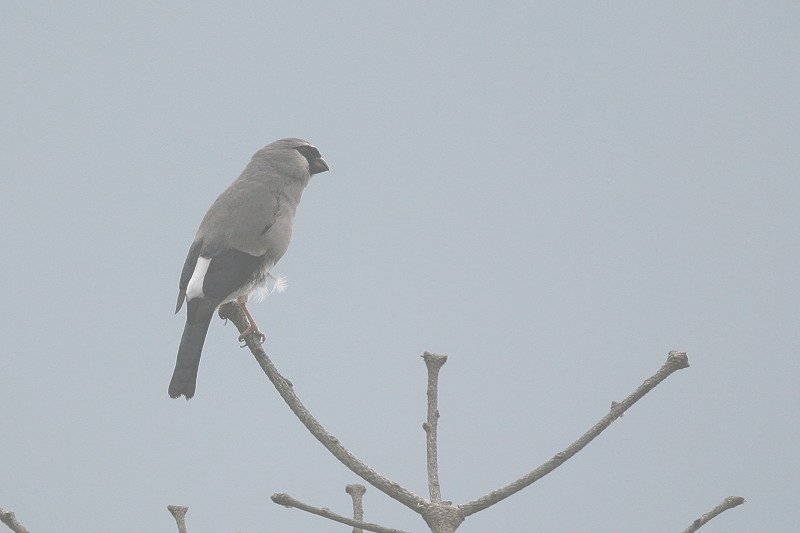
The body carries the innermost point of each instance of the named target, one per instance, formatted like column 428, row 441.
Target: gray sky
column 554, row 196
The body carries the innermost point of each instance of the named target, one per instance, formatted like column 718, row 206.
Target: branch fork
column 441, row 516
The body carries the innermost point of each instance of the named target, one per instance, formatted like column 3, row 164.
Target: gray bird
column 243, row 234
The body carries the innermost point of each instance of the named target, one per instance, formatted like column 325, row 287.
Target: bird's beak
column 318, row 165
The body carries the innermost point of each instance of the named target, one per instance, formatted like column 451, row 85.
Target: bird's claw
column 251, row 331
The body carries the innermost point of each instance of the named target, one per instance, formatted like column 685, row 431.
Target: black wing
column 228, row 272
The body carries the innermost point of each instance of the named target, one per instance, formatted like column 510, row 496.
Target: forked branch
column 441, row 516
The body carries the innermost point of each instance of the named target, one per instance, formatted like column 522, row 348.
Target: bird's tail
column 198, row 316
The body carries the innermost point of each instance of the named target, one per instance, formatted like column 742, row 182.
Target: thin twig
column 287, row 501
column 728, row 503
column 232, row 312
column 179, row 513
column 8, row 518
column 434, row 363
column 356, row 492
column 675, row 361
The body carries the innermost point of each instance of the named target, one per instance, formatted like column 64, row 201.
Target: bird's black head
column 315, row 162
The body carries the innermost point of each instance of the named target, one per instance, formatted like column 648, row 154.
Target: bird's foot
column 252, row 330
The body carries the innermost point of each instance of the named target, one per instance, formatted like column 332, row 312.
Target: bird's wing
column 229, row 271
column 241, row 218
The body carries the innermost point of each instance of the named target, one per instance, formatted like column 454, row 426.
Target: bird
column 241, row 237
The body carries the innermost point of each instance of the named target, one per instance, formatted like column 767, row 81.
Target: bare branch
column 675, row 361
column 232, row 312
column 728, row 503
column 8, row 518
column 434, row 363
column 287, row 501
column 356, row 491
column 179, row 513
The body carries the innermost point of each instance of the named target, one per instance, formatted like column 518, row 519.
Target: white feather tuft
column 268, row 286
column 259, row 293
column 281, row 284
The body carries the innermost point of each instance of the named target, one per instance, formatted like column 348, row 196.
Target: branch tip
column 434, row 359
column 178, row 512
column 679, row 359
column 355, row 489
column 728, row 503
column 10, row 519
column 281, row 498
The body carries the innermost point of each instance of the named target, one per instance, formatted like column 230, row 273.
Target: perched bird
column 243, row 234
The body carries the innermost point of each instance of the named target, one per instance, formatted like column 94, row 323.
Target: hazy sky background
column 554, row 195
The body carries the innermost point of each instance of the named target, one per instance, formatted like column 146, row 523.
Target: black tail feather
column 199, row 312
